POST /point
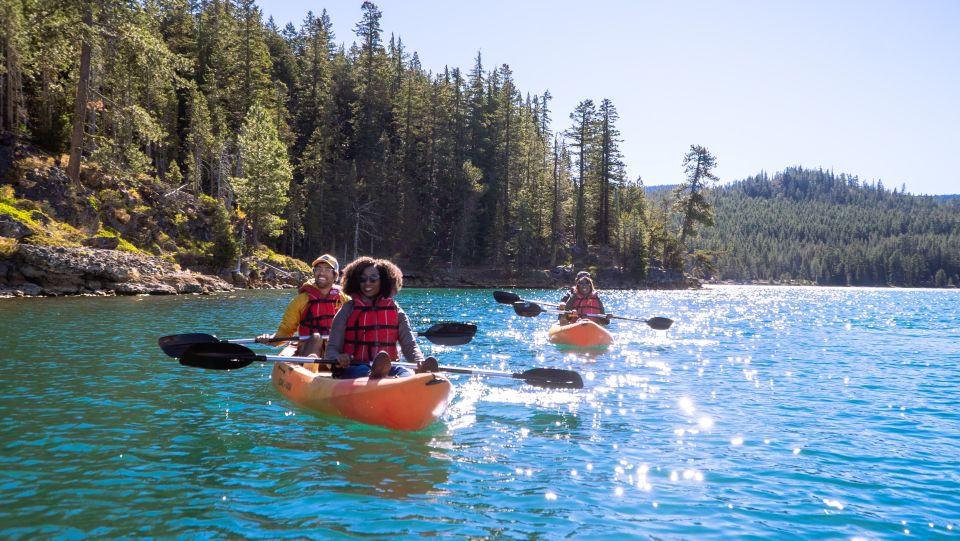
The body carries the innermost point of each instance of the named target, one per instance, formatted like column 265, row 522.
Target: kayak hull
column 408, row 403
column 583, row 334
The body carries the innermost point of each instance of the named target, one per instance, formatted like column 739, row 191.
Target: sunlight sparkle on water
column 736, row 441
column 686, row 405
column 833, row 503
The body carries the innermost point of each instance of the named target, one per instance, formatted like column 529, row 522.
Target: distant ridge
column 660, row 188
column 816, row 227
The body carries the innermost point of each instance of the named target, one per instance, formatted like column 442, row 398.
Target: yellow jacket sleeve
column 290, row 322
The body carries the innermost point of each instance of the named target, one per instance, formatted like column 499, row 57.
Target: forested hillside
column 314, row 146
column 191, row 130
column 813, row 226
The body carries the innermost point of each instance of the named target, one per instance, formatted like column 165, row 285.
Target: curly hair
column 391, row 277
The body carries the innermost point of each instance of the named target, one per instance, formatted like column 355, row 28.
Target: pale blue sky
column 870, row 88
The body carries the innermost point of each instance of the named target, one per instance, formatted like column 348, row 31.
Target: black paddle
column 227, row 356
column 527, row 308
column 444, row 334
column 505, row 297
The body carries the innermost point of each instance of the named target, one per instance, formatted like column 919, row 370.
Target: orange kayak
column 410, row 403
column 583, row 334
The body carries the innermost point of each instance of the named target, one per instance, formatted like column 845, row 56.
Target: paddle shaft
column 658, row 323
column 287, row 339
column 435, row 330
column 451, row 369
column 444, row 334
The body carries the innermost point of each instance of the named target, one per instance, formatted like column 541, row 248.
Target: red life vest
column 372, row 328
column 318, row 314
column 585, row 305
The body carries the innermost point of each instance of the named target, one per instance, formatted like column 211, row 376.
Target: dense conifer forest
column 307, row 145
column 813, row 226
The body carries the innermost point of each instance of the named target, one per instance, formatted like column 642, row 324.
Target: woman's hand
column 265, row 339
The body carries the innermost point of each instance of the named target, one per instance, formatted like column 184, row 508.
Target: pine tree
column 262, row 187
column 611, row 173
column 691, row 195
column 582, row 133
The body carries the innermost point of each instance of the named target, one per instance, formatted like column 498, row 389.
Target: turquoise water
column 763, row 413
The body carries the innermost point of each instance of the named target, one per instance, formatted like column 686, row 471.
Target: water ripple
column 763, row 412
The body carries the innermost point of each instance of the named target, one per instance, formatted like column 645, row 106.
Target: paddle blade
column 219, row 356
column 175, row 345
column 660, row 323
column 505, row 297
column 450, row 333
column 527, row 309
column 552, row 378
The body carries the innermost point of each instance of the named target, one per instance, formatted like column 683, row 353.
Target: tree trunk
column 356, row 234
column 80, row 105
column 555, row 214
column 9, row 85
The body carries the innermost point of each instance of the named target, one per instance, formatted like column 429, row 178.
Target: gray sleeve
column 408, row 342
column 337, row 328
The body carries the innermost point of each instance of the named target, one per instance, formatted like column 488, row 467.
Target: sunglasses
column 369, row 279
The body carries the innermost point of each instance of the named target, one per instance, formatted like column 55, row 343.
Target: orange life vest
column 585, row 305
column 372, row 328
column 318, row 315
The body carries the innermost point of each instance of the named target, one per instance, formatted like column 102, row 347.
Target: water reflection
column 373, row 462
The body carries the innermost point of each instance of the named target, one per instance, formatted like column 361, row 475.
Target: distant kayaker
column 311, row 312
column 367, row 329
column 583, row 300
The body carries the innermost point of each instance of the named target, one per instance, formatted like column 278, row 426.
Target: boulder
column 12, row 228
column 103, row 243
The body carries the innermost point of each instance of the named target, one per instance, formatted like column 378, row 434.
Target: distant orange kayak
column 410, row 403
column 583, row 334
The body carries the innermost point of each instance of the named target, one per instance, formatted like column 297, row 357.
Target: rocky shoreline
column 44, row 271
column 56, row 271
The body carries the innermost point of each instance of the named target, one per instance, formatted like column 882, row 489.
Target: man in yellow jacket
column 311, row 312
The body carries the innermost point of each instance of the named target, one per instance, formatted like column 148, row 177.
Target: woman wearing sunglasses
column 367, row 329
column 584, row 300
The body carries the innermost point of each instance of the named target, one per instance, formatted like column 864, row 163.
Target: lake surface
column 764, row 412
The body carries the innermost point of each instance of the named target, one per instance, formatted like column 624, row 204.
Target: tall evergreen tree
column 611, row 173
column 691, row 195
column 583, row 136
column 265, row 172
